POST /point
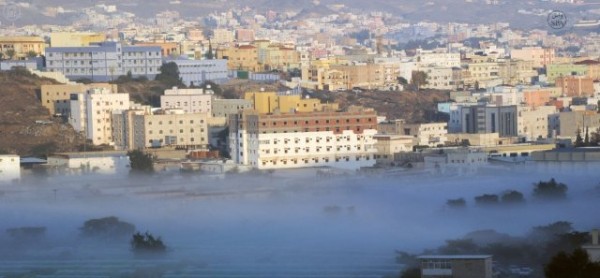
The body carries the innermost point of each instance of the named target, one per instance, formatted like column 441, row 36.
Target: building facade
column 490, row 119
column 10, row 168
column 91, row 113
column 294, row 140
column 189, row 100
column 455, row 266
column 104, row 61
column 196, row 72
column 21, row 47
column 56, row 97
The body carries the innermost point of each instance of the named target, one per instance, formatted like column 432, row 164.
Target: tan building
column 75, row 39
column 167, row 49
column 21, row 46
column 56, row 97
column 532, row 123
column 135, row 129
column 244, row 57
column 575, row 86
column 538, row 55
column 367, row 76
column 388, row 145
column 516, row 72
column 278, row 57
column 222, row 36
column 270, row 102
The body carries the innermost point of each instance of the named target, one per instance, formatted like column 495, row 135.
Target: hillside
column 20, row 108
column 414, row 107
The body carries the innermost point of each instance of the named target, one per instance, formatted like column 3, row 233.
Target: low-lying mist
column 281, row 222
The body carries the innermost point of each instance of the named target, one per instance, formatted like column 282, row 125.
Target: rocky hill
column 26, row 127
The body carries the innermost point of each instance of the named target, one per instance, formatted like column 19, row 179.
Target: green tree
column 418, row 80
column 586, row 139
column 402, row 80
column 550, row 190
column 169, row 75
column 141, row 162
column 579, row 139
column 11, row 53
column 209, row 53
column 31, row 54
column 574, row 265
column 147, row 244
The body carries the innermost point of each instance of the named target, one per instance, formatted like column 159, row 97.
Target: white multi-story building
column 425, row 134
column 336, row 139
column 426, row 58
column 104, row 61
column 190, row 100
column 91, row 113
column 196, row 72
column 439, row 78
column 10, row 168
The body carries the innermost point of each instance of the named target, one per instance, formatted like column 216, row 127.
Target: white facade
column 10, row 168
column 347, row 150
column 196, row 72
column 105, row 61
column 533, row 122
column 439, row 78
column 190, row 100
column 461, row 161
column 446, row 60
column 91, row 113
column 91, row 162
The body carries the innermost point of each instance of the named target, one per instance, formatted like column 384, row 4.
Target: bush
column 456, row 203
column 487, row 199
column 550, row 190
column 141, row 162
column 512, row 197
column 107, row 227
column 576, row 264
column 142, row 244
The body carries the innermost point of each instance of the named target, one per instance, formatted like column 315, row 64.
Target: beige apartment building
column 56, row 97
column 75, row 39
column 189, row 100
column 540, row 57
column 21, row 46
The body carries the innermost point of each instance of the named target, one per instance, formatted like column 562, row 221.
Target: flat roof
column 454, row 257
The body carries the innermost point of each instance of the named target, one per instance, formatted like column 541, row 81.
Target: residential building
column 535, row 98
column 474, row 139
column 190, row 100
column 196, row 72
column 554, row 71
column 575, row 86
column 226, row 107
column 439, row 78
column 277, row 57
column 361, row 75
column 91, row 113
column 75, row 39
column 456, row 266
column 293, row 140
column 57, row 97
column 490, row 119
column 169, row 127
column 570, row 123
column 533, row 122
column 270, row 102
column 455, row 161
column 593, row 248
column 244, row 57
column 222, row 36
column 10, row 168
column 104, row 61
column 540, row 57
column 105, row 162
column 593, row 68
column 388, row 145
column 425, row 134
column 244, row 35
column 425, row 58
column 167, row 49
column 516, row 72
column 21, row 46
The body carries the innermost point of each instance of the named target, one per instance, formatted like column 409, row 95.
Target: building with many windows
column 189, row 100
column 21, row 46
column 490, row 119
column 293, row 140
column 91, row 113
column 463, row 266
column 104, row 61
column 196, row 72
column 57, row 97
